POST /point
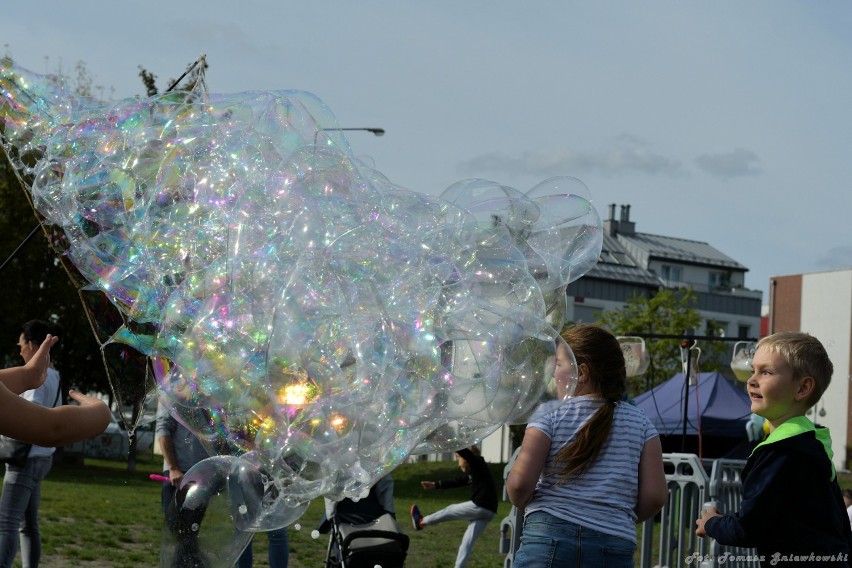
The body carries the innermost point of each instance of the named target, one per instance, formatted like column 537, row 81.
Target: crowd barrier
column 669, row 540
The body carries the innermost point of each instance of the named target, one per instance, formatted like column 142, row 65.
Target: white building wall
column 732, row 321
column 496, row 448
column 826, row 313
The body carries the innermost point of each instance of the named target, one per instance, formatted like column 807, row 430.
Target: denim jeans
column 550, row 542
column 19, row 512
column 279, row 550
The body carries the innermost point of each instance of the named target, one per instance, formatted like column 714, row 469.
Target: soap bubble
column 291, row 305
column 198, row 527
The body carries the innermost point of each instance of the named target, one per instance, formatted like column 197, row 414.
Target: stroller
column 364, row 535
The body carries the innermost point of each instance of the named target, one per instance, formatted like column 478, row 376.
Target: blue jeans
column 279, row 550
column 19, row 512
column 549, row 542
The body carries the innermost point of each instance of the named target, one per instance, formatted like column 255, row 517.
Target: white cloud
column 738, row 163
column 835, row 258
column 626, row 155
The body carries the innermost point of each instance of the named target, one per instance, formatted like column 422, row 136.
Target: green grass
column 100, row 515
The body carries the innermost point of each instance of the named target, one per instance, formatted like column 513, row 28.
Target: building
column 634, row 263
column 820, row 303
column 641, row 263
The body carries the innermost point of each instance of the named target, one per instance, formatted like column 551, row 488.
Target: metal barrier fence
column 670, row 541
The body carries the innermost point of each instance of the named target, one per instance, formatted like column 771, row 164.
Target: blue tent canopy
column 725, row 407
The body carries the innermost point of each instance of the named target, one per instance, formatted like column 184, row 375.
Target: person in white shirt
column 22, row 484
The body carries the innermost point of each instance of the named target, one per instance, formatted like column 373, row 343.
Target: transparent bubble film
column 302, row 314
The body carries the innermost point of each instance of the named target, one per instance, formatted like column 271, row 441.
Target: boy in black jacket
column 479, row 510
column 792, row 511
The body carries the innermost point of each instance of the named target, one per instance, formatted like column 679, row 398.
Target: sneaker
column 416, row 517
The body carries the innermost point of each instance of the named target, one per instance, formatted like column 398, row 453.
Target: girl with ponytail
column 590, row 468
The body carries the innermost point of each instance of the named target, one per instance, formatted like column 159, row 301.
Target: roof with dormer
column 615, row 263
column 625, row 257
column 645, row 247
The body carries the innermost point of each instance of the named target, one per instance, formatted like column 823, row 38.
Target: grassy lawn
column 100, row 515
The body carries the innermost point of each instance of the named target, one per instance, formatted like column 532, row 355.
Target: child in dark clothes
column 792, row 511
column 478, row 511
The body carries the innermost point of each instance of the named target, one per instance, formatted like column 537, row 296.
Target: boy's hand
column 427, row 484
column 705, row 514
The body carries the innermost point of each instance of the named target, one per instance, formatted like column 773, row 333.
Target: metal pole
column 20, row 246
column 684, row 345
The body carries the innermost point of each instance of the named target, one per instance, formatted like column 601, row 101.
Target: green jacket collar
column 800, row 425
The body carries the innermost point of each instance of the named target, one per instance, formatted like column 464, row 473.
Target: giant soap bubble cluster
column 306, row 313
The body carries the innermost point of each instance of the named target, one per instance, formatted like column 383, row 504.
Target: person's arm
column 50, row 427
column 31, row 375
column 522, row 479
column 167, row 446
column 653, row 489
column 766, row 488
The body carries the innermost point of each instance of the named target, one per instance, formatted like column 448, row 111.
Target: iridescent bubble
column 199, row 529
column 298, row 308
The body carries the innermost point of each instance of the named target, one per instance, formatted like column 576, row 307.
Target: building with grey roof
column 634, row 263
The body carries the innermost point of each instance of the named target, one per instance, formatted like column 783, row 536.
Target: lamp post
column 374, row 131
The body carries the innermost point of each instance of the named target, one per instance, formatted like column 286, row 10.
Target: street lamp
column 374, row 131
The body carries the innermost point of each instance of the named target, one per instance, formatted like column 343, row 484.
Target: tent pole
column 684, row 345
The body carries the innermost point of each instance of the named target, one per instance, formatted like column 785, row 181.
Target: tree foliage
column 187, row 83
column 38, row 287
column 666, row 313
column 43, row 284
column 38, row 278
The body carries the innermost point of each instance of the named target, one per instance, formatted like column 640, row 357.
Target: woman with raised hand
column 34, row 412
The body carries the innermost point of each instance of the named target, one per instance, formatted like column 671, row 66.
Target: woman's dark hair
column 37, row 330
column 600, row 352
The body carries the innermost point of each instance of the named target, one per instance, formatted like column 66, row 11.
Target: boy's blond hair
column 806, row 355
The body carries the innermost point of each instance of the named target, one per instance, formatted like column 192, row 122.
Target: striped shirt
column 603, row 497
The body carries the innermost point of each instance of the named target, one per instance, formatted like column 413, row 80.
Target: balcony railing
column 704, row 287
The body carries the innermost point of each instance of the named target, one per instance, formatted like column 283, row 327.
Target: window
column 671, row 273
column 716, row 328
column 718, row 280
column 744, row 331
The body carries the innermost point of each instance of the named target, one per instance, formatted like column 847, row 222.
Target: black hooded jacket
column 483, row 491
column 792, row 510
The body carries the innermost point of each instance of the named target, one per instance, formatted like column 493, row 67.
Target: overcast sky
column 724, row 122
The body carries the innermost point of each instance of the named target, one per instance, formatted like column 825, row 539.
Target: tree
column 193, row 77
column 666, row 313
column 38, row 287
column 49, row 287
